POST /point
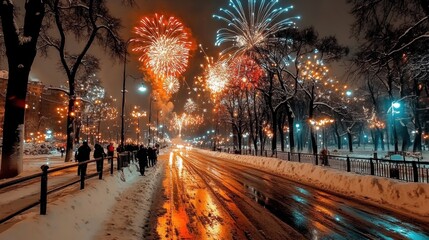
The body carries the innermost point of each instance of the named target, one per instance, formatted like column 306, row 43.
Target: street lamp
column 123, row 92
column 143, row 88
column 137, row 114
column 395, row 105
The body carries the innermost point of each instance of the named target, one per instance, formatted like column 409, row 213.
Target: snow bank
column 409, row 198
column 81, row 214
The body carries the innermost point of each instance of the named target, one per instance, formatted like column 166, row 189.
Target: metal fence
column 404, row 170
column 122, row 160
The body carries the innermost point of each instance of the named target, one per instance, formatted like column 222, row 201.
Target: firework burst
column 217, row 76
column 190, row 106
column 171, row 85
column 248, row 26
column 164, row 46
column 245, row 71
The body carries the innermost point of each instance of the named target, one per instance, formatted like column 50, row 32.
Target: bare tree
column 87, row 22
column 389, row 31
column 20, row 50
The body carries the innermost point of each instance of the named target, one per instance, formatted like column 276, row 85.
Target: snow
column 408, row 198
column 118, row 206
column 112, row 208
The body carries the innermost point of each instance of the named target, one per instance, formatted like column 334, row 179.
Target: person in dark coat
column 99, row 154
column 142, row 157
column 155, row 155
column 83, row 153
column 151, row 153
column 324, row 156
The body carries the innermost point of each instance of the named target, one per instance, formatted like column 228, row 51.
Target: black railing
column 123, row 160
column 404, row 170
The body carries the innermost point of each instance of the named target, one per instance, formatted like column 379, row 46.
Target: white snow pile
column 409, row 198
column 39, row 148
column 113, row 208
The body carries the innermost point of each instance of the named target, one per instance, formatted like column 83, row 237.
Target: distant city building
column 42, row 106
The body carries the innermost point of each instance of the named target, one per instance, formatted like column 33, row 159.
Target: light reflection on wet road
column 210, row 198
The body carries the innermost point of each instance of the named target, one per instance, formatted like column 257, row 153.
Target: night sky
column 329, row 17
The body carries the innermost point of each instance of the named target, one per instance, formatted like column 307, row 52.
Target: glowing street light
column 349, row 93
column 396, row 105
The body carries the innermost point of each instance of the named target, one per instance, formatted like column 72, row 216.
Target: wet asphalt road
column 211, row 198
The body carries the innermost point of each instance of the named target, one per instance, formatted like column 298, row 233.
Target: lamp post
column 142, row 88
column 137, row 114
column 123, row 92
column 395, row 105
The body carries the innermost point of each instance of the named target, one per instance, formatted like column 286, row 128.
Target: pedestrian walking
column 120, row 149
column 142, row 157
column 324, row 156
column 155, row 155
column 99, row 154
column 62, row 149
column 150, row 155
column 110, row 152
column 83, row 153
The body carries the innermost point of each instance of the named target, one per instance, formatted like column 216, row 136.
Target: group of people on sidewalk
column 83, row 154
column 147, row 157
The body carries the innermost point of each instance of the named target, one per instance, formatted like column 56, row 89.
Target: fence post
column 415, row 172
column 299, row 157
column 371, row 164
column 317, row 159
column 288, row 156
column 44, row 189
column 375, row 155
column 348, row 164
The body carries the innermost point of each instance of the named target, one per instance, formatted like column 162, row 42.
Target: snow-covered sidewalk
column 411, row 199
column 112, row 208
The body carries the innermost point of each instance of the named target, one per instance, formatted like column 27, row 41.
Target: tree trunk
column 20, row 51
column 261, row 140
column 380, row 133
column 395, row 136
column 274, row 129
column 405, row 138
column 375, row 138
column 70, row 129
column 313, row 141
column 350, row 138
column 337, row 134
column 78, row 130
column 291, row 125
column 280, row 122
